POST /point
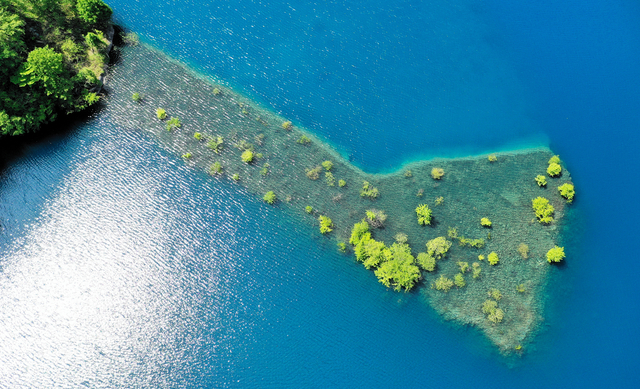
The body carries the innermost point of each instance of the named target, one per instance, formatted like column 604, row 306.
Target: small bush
column 247, row 156
column 485, row 222
column 442, row 283
column 342, row 183
column 287, row 125
column 330, row 179
column 494, row 314
column 197, row 136
column 136, row 97
column 215, row 144
column 567, row 191
column 439, row 200
column 217, row 91
column 489, row 306
column 342, row 247
column 554, row 159
column 476, row 269
column 161, row 113
column 173, row 123
column 265, row 170
column 236, row 177
column 304, row 140
column 424, row 214
column 493, row 258
column 554, row 170
column 543, row 210
column 314, row 174
column 94, row 12
column 400, row 237
column 520, row 288
column 420, row 192
column 308, row 209
column 187, row 155
column 495, row 294
column 426, row 261
column 408, row 173
column 523, row 249
column 216, row 168
column 556, row 254
column 327, row 165
column 541, row 180
column 437, row 173
column 270, row 197
column 376, row 218
column 368, row 190
column 359, row 232
column 492, row 158
column 480, row 257
column 459, row 280
column 463, row 266
column 438, row 247
column 325, row 224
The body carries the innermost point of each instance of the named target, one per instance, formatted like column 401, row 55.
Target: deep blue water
column 120, row 267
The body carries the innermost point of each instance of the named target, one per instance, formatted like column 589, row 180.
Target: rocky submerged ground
column 288, row 162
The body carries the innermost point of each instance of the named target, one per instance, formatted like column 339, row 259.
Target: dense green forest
column 52, row 55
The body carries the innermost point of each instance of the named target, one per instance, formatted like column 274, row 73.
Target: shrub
column 173, row 123
column 476, row 269
column 304, row 140
column 480, row 257
column 520, row 288
column 236, row 177
column 265, row 169
column 493, row 258
column 93, row 11
column 400, row 237
column 485, row 222
column 477, row 243
column 492, row 158
column 342, row 247
column 567, row 191
column 368, row 190
column 331, row 180
column 438, row 247
column 342, row 183
column 197, row 136
column 247, row 156
column 439, row 200
column 187, row 155
column 308, row 209
column 556, row 254
column 399, row 272
column 459, row 280
column 424, row 214
column 216, row 168
column 541, row 180
column 437, row 173
column 494, row 294
column 244, row 145
column 161, row 113
column 489, row 306
column 287, row 125
column 136, row 97
column 463, row 266
column 215, row 144
column 325, row 224
column 216, row 91
column 543, row 210
column 314, row 174
column 327, row 165
column 442, row 283
column 408, row 173
column 554, row 170
column 523, row 249
column 376, row 218
column 270, row 197
column 554, row 159
column 359, row 232
column 420, row 192
column 426, row 261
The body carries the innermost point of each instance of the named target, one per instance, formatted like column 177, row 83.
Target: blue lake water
column 121, row 267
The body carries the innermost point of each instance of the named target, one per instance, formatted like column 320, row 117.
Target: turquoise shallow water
column 121, row 267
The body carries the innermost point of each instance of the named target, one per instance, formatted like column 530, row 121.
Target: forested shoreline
column 52, row 56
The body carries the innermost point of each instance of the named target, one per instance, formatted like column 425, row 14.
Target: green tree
column 46, row 68
column 94, row 12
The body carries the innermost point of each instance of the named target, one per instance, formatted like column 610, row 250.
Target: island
column 476, row 236
column 53, row 55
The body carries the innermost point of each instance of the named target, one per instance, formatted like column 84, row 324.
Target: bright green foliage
column 327, row 165
column 368, row 190
column 437, row 173
column 426, row 261
column 329, row 178
column 438, row 247
column 494, row 314
column 556, row 254
column 567, row 191
column 136, row 97
column 554, row 159
column 197, row 136
column 46, row 68
column 359, row 232
column 93, row 11
column 372, row 253
column 401, row 237
column 489, row 306
column 287, row 125
column 424, row 214
column 492, row 158
column 342, row 247
column 541, row 180
column 247, row 156
column 439, row 200
column 304, row 140
column 452, row 232
column 187, row 155
column 270, row 197
column 308, row 209
column 216, row 168
column 493, row 258
column 408, row 173
column 443, row 283
column 399, row 273
column 463, row 266
column 520, row 288
column 480, row 257
column 342, row 183
column 215, row 144
column 314, row 174
column 476, row 269
column 236, row 177
column 494, row 294
column 173, row 123
column 216, row 91
column 554, row 170
column 376, row 218
column 325, row 224
column 485, row 222
column 161, row 113
column 459, row 280
column 543, row 210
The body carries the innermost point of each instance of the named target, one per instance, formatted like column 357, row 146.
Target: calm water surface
column 121, row 267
